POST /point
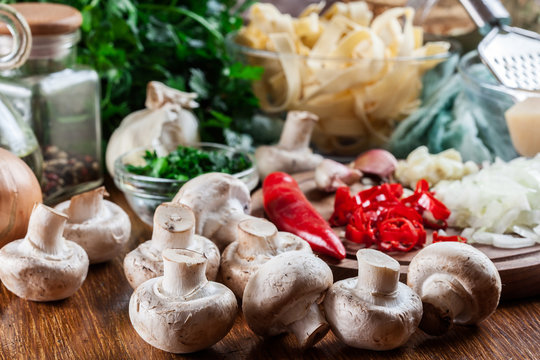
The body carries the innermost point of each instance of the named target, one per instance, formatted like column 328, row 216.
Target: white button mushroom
column 374, row 310
column 457, row 284
column 174, row 227
column 284, row 296
column 43, row 266
column 220, row 201
column 101, row 227
column 181, row 311
column 292, row 154
column 258, row 241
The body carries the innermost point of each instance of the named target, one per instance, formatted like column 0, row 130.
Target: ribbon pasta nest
column 359, row 74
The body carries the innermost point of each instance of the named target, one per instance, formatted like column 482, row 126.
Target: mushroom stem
column 183, row 272
column 254, row 237
column 442, row 300
column 378, row 273
column 174, row 226
column 86, row 206
column 311, row 328
column 297, row 130
column 45, row 229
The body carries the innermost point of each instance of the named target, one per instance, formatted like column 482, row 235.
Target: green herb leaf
column 197, row 83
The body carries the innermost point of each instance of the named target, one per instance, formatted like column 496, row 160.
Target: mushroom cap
column 102, row 237
column 182, row 325
column 34, row 275
column 282, row 291
column 219, row 201
column 363, row 320
column 236, row 269
column 146, row 262
column 467, row 266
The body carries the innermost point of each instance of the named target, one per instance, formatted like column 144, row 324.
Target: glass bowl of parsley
column 148, row 180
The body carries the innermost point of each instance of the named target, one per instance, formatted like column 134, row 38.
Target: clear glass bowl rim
column 121, row 172
column 455, row 48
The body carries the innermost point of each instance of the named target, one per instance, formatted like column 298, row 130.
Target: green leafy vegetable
column 186, row 163
column 181, row 43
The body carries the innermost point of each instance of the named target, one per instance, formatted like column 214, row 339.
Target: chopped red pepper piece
column 378, row 216
column 345, row 204
column 433, row 211
column 400, row 234
column 289, row 209
column 400, row 210
column 361, row 228
column 440, row 238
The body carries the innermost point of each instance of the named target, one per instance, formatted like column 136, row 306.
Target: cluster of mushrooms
column 51, row 262
column 282, row 286
column 207, row 233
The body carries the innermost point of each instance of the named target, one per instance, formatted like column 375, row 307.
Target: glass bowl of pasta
column 358, row 73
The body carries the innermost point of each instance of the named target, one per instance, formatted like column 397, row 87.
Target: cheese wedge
column 523, row 120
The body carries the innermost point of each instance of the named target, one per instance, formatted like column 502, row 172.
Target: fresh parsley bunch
column 181, row 43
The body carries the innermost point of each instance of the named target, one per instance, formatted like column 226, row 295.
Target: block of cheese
column 523, row 120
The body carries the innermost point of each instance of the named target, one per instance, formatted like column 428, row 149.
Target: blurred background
column 442, row 17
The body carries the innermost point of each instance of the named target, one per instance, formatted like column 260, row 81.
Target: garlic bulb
column 166, row 123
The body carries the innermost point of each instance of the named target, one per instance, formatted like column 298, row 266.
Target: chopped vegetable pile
column 186, row 163
column 381, row 216
column 499, row 202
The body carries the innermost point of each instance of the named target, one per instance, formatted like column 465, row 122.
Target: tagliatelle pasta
column 359, row 74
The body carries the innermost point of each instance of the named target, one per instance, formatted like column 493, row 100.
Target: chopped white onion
column 505, row 241
column 499, row 202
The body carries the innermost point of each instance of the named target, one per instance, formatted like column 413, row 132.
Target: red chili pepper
column 440, row 238
column 288, row 208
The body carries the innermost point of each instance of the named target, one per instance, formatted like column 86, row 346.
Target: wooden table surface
column 94, row 324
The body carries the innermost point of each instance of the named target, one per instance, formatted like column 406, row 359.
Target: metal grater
column 512, row 54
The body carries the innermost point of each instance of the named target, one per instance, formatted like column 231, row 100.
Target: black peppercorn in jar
column 58, row 98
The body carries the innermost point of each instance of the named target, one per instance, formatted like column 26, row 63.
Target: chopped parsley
column 187, row 162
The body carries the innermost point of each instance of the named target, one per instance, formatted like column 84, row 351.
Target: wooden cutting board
column 519, row 268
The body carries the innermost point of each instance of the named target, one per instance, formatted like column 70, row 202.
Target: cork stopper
column 47, row 19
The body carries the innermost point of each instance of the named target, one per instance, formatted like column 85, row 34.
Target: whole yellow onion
column 19, row 191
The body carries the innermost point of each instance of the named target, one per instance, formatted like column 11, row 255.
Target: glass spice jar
column 59, row 99
column 16, row 135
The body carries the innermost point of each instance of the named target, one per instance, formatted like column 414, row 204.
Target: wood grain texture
column 519, row 268
column 94, row 324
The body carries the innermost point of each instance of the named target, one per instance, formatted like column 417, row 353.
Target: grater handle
column 487, row 14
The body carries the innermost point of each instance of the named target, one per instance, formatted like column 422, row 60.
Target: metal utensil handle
column 22, row 38
column 487, row 14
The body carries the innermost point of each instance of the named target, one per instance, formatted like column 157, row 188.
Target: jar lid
column 47, row 18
